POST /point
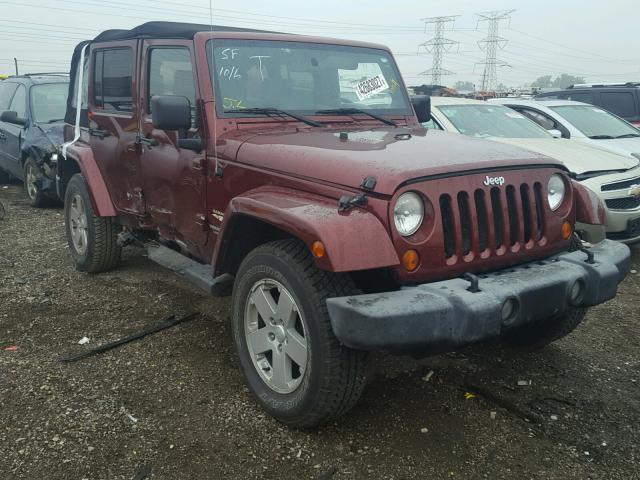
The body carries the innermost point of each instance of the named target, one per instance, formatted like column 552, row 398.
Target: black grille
column 627, row 203
column 504, row 217
column 620, row 185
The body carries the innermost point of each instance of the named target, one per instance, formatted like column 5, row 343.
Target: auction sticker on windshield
column 371, row 86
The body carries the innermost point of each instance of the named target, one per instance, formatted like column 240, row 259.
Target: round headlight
column 555, row 191
column 408, row 213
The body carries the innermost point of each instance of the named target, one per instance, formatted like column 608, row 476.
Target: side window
column 579, row 97
column 19, row 102
column 6, row 93
column 171, row 73
column 541, row 119
column 621, row 103
column 112, row 80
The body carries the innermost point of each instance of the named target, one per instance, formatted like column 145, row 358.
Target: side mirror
column 555, row 133
column 12, row 117
column 422, row 106
column 171, row 112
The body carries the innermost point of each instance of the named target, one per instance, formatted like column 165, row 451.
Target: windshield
column 491, row 121
column 305, row 77
column 49, row 102
column 595, row 122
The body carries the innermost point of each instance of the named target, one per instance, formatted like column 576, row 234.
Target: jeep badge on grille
column 494, row 181
column 634, row 191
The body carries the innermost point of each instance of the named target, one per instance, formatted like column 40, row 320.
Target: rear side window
column 6, row 93
column 171, row 73
column 19, row 102
column 622, row 104
column 583, row 97
column 112, row 80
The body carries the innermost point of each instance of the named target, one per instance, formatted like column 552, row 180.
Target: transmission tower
column 491, row 44
column 438, row 46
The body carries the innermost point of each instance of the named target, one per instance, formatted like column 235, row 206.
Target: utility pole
column 438, row 46
column 491, row 44
column 15, row 61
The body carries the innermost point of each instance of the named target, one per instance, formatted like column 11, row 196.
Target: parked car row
column 294, row 174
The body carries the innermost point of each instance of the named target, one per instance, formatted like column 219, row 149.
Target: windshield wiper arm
column 275, row 111
column 356, row 111
column 629, row 135
column 601, row 137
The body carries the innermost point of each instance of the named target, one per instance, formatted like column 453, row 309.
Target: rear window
column 112, row 80
column 622, row 104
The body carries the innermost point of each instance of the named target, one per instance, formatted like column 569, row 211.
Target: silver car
column 580, row 122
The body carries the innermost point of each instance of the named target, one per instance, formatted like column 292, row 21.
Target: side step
column 196, row 273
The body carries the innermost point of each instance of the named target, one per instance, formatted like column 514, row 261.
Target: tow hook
column 346, row 202
column 580, row 246
column 473, row 280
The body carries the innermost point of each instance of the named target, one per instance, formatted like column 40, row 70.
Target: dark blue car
column 32, row 109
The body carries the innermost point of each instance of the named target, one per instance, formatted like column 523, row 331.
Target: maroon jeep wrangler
column 293, row 172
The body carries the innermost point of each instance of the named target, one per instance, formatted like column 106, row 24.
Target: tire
column 32, row 173
column 541, row 334
column 92, row 240
column 333, row 377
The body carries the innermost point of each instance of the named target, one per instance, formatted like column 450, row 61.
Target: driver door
column 174, row 178
column 13, row 134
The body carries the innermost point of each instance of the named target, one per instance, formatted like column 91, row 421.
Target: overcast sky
column 598, row 40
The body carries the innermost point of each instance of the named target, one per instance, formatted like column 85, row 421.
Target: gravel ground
column 173, row 405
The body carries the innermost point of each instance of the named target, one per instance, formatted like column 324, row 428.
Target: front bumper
column 444, row 315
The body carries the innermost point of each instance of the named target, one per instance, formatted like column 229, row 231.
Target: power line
column 438, row 46
column 490, row 45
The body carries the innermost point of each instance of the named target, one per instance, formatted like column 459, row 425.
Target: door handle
column 148, row 141
column 96, row 132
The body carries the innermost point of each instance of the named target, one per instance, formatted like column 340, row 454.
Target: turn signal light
column 567, row 230
column 317, row 248
column 410, row 260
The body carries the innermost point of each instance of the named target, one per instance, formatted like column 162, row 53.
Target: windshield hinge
column 346, row 202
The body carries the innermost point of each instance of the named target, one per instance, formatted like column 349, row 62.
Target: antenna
column 438, row 46
column 491, row 44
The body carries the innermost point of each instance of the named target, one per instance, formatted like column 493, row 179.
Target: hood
column 622, row 146
column 577, row 157
column 391, row 155
column 42, row 140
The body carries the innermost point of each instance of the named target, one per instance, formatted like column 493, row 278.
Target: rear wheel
column 92, row 240
column 291, row 360
column 32, row 174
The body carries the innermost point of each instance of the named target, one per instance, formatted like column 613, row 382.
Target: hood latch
column 346, row 202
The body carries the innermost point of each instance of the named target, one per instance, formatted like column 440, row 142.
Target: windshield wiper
column 270, row 111
column 601, row 137
column 629, row 135
column 356, row 111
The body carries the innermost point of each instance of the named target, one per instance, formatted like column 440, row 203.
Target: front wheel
column 290, row 358
column 32, row 174
column 92, row 240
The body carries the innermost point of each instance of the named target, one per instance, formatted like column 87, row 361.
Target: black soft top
column 167, row 30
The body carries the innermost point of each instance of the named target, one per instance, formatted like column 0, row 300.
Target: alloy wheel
column 78, row 224
column 276, row 336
